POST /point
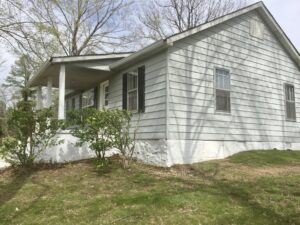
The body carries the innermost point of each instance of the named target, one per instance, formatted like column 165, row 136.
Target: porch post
column 49, row 92
column 61, row 102
column 39, row 104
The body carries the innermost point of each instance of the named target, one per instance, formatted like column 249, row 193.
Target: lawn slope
column 258, row 187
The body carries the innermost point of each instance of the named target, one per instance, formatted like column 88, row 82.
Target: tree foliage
column 29, row 133
column 18, row 78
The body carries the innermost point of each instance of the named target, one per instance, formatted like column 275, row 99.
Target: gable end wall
column 259, row 68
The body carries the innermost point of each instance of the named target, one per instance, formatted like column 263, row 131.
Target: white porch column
column 39, row 103
column 61, row 102
column 49, row 92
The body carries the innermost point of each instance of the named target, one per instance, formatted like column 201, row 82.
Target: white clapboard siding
column 152, row 123
column 259, row 68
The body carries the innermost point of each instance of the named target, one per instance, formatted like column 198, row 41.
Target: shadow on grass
column 18, row 179
column 175, row 192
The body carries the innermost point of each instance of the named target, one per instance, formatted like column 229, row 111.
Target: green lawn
column 258, row 187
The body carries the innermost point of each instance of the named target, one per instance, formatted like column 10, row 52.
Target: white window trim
column 134, row 89
column 215, row 91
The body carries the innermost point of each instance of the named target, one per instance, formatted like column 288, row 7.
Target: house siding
column 152, row 123
column 259, row 68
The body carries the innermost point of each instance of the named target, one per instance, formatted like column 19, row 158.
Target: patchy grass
column 231, row 191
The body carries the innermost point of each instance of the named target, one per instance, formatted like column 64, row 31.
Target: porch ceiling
column 77, row 78
column 82, row 72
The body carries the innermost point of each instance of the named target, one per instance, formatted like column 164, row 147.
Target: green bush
column 103, row 130
column 29, row 133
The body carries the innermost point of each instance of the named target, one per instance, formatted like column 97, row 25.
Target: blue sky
column 287, row 14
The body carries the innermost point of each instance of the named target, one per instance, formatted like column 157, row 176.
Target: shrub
column 103, row 130
column 29, row 133
column 94, row 128
column 124, row 135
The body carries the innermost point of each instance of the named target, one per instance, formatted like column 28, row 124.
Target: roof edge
column 151, row 49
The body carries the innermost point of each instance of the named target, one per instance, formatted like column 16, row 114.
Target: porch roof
column 81, row 71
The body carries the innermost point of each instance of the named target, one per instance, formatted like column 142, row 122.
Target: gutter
column 139, row 55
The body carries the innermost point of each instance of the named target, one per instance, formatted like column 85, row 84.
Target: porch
column 82, row 81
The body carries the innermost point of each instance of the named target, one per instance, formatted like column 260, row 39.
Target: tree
column 19, row 76
column 160, row 19
column 58, row 27
column 73, row 27
column 29, row 133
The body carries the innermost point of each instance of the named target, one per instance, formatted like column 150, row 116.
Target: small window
column 290, row 106
column 106, row 91
column 132, row 91
column 104, row 94
column 222, row 90
column 88, row 98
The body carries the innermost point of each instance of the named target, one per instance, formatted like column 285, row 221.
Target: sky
column 286, row 13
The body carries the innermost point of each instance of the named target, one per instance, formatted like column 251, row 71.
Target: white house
column 229, row 85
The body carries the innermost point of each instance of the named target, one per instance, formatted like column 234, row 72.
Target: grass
column 259, row 187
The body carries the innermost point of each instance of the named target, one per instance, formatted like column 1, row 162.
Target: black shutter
column 80, row 101
column 96, row 97
column 124, row 96
column 141, row 88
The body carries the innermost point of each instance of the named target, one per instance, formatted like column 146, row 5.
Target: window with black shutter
column 134, row 90
column 290, row 106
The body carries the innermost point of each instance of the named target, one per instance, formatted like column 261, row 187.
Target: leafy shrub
column 103, row 130
column 94, row 128
column 29, row 133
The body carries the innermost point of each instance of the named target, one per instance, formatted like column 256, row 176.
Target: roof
column 259, row 7
column 124, row 60
column 73, row 59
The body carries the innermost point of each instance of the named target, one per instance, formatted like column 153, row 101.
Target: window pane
column 290, row 95
column 222, row 79
column 222, row 100
column 132, row 100
column 132, row 82
column 290, row 110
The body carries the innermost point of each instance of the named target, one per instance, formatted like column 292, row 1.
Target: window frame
column 286, row 101
column 133, row 73
column 215, row 91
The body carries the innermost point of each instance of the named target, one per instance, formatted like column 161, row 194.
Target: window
column 290, row 107
column 222, row 90
column 132, row 91
column 88, row 98
column 106, row 95
column 104, row 92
